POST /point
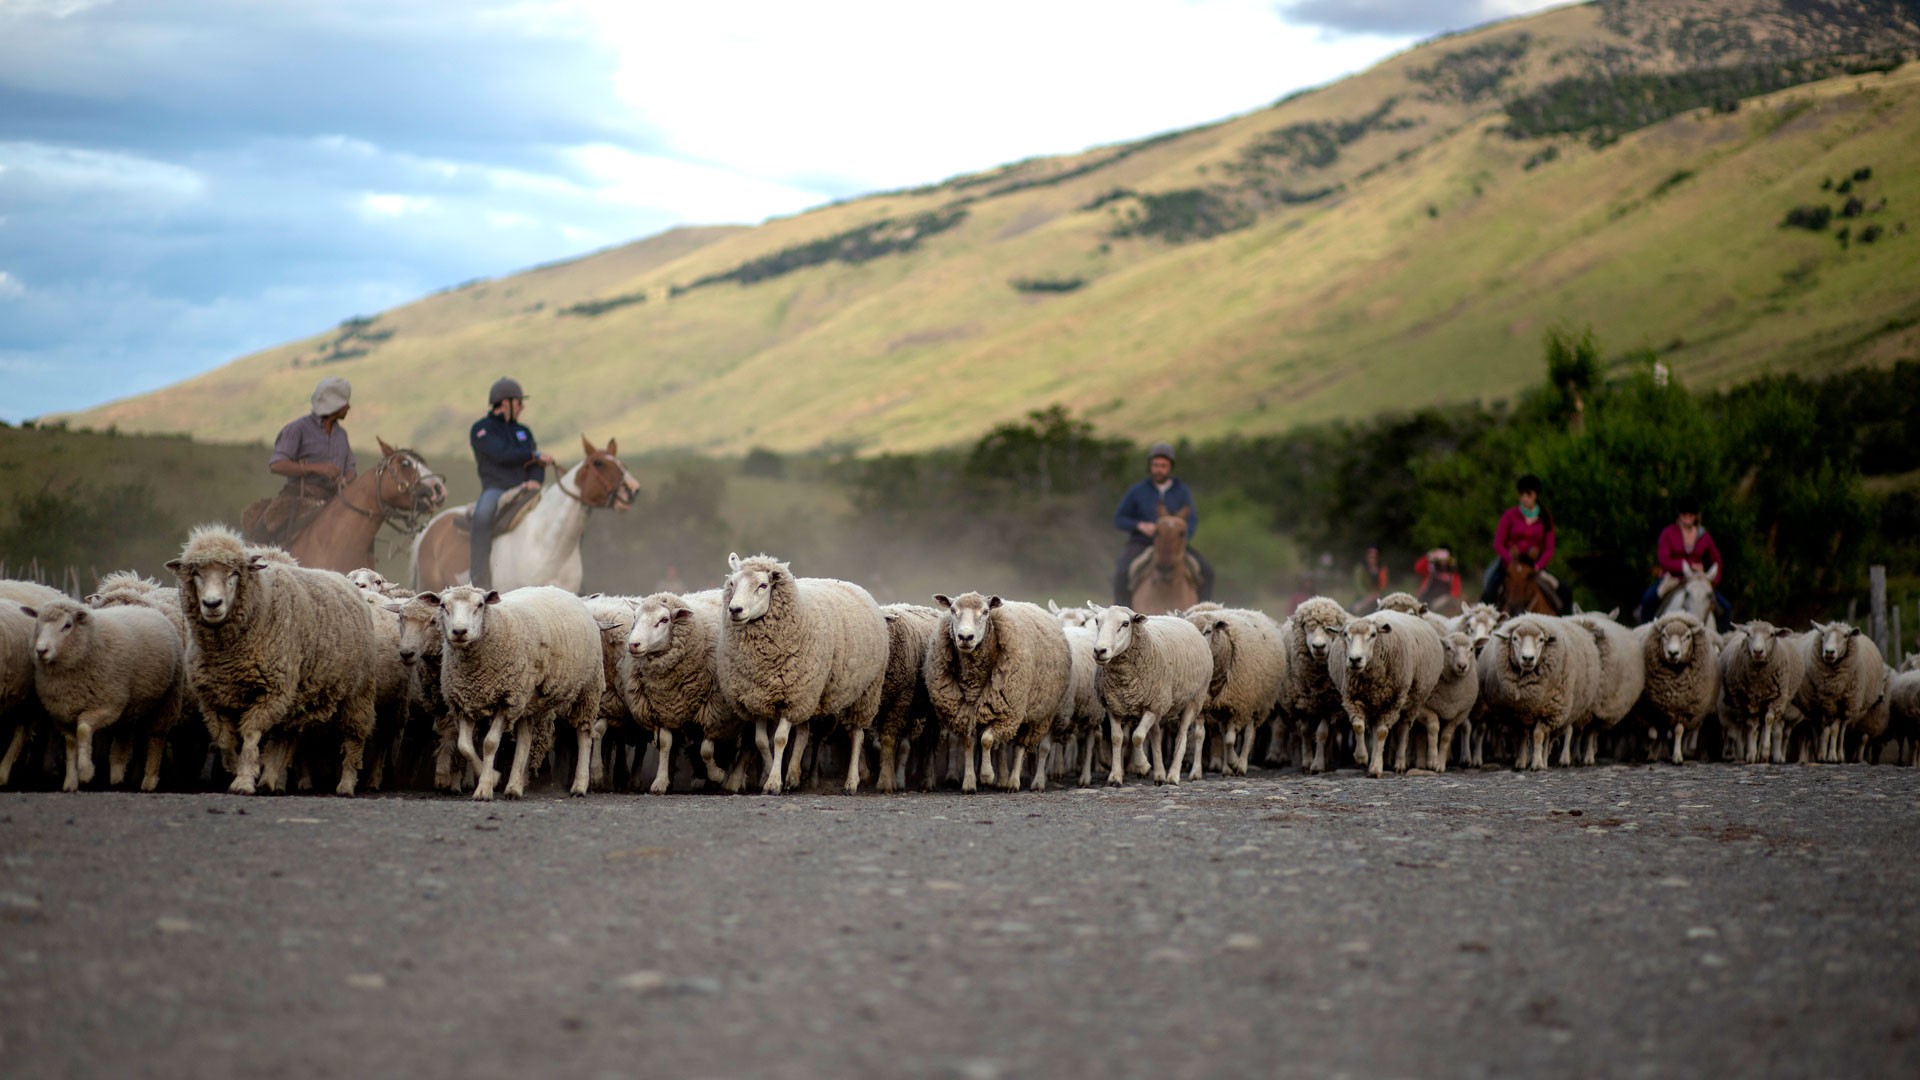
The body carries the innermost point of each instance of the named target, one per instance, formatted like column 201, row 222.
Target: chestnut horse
column 1170, row 581
column 1524, row 594
column 544, row 549
column 401, row 486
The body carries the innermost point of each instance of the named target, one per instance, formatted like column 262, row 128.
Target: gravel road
column 1703, row 921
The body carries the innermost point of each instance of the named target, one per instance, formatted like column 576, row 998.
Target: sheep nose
column 41, row 652
column 211, row 605
column 736, row 610
column 458, row 634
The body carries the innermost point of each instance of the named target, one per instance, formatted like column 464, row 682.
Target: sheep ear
column 1138, row 618
column 1220, row 624
column 682, row 614
column 593, row 596
column 1853, row 631
column 890, row 616
column 429, row 598
column 605, row 626
column 493, row 596
column 1781, row 631
column 257, row 563
column 1549, row 639
column 1386, row 628
column 1052, row 608
column 93, row 599
column 733, row 561
column 394, row 606
column 1503, row 635
column 31, row 614
column 82, row 615
column 945, row 601
column 993, row 602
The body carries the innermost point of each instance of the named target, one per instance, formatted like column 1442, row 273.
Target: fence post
column 1877, row 606
column 1897, row 655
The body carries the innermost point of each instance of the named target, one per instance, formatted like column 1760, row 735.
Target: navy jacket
column 502, row 450
column 1142, row 502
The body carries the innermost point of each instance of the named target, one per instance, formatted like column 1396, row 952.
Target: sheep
column 1310, row 699
column 392, row 692
column 1409, row 604
column 422, row 646
column 276, row 648
column 1542, row 673
column 904, row 706
column 1761, row 669
column 796, row 648
column 520, row 660
column 998, row 672
column 94, row 669
column 1249, row 666
column 1845, row 687
column 1683, row 677
column 1151, row 667
column 614, row 615
column 1386, row 665
column 1903, row 702
column 1478, row 622
column 1088, row 714
column 671, row 678
column 17, row 701
column 1623, row 675
column 1072, row 616
column 1453, row 697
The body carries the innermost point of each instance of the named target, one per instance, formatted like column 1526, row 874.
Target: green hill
column 1396, row 239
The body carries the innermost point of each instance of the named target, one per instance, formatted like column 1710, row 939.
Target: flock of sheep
column 291, row 676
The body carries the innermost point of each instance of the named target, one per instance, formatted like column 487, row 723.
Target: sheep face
column 653, row 623
column 53, row 625
column 1761, row 637
column 419, row 625
column 210, row 590
column 749, row 589
column 1527, row 643
column 1677, row 638
column 1069, row 616
column 1479, row 623
column 369, row 580
column 972, row 618
column 463, row 613
column 1113, row 632
column 1836, row 638
column 1363, row 636
column 1460, row 653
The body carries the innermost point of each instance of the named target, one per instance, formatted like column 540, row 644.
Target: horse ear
column 613, row 447
column 385, row 450
column 588, row 445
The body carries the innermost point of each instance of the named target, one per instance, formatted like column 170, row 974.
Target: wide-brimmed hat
column 333, row 394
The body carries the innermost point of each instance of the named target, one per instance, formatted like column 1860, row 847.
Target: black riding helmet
column 502, row 390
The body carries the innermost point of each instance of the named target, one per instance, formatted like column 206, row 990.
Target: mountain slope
column 1398, row 238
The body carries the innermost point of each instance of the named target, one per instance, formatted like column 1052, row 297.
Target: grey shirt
column 306, row 441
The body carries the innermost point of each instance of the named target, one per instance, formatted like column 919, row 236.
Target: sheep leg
column 1139, row 765
column 736, row 781
column 853, row 762
column 1375, row 756
column 1117, row 751
column 1679, row 739
column 246, row 771
column 72, row 781
column 800, row 734
column 156, row 751
column 1018, row 768
column 1199, row 752
column 443, row 779
column 969, row 782
column 597, row 770
column 522, row 756
column 663, row 774
column 119, row 753
column 1086, row 758
column 1042, row 757
column 1566, row 747
column 14, row 747
column 714, row 774
column 1537, row 749
column 889, row 762
column 1321, row 732
column 483, row 790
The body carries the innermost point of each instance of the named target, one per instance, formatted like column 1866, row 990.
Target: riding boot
column 1490, row 584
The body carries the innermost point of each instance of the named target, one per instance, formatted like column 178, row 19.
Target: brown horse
column 341, row 538
column 1524, row 593
column 1165, row 579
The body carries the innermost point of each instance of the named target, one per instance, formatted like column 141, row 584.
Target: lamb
column 1386, row 665
column 1623, row 675
column 520, row 660
column 1310, row 699
column 1846, row 687
column 1683, row 677
column 1151, row 667
column 1541, row 672
column 998, row 672
column 1761, row 669
column 1249, row 666
column 796, row 648
column 94, row 669
column 275, row 649
column 904, row 706
column 1453, row 697
column 17, row 701
column 671, row 673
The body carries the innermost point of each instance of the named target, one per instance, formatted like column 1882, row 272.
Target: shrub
column 591, row 308
column 1046, row 285
column 1813, row 218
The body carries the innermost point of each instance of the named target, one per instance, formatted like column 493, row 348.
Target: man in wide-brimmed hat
column 316, row 458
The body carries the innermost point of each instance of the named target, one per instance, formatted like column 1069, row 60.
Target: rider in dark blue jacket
column 508, row 458
column 1139, row 512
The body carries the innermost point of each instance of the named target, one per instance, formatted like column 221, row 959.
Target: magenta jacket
column 1674, row 556
column 1517, row 534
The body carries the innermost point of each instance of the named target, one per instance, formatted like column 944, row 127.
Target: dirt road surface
column 1665, row 922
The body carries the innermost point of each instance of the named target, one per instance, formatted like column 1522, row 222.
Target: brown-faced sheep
column 998, row 673
column 1152, row 668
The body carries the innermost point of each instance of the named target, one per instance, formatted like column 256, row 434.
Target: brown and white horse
column 341, row 537
column 544, row 549
column 1171, row 582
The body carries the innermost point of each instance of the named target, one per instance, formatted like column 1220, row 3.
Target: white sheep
column 906, row 714
column 1408, row 604
column 422, row 647
column 521, row 661
column 1478, row 622
column 793, row 649
column 1310, row 700
column 1903, row 703
column 1683, row 678
column 672, row 675
column 1152, row 667
column 998, row 673
column 1385, row 666
column 1541, row 673
column 1453, row 697
column 1845, row 687
column 614, row 615
column 18, row 706
column 1623, row 676
column 1761, row 669
column 97, row 669
column 1249, row 667
column 1088, row 715
column 1072, row 616
column 276, row 648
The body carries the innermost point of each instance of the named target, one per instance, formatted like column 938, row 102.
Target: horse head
column 1170, row 541
column 602, row 478
column 406, row 482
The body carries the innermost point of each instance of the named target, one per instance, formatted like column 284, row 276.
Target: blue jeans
column 481, row 551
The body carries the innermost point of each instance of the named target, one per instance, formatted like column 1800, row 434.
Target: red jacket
column 1674, row 557
column 1517, row 534
column 1450, row 577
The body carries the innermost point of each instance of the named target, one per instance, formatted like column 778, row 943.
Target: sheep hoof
column 238, row 787
column 772, row 788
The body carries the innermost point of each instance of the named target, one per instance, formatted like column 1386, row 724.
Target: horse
column 544, row 548
column 1164, row 578
column 341, row 537
column 1524, row 595
column 1693, row 594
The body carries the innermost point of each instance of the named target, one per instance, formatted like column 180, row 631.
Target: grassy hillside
column 1396, row 239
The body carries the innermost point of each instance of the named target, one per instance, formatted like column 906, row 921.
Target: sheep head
column 419, row 625
column 653, row 622
column 1362, row 639
column 1528, row 640
column 1761, row 637
column 1836, row 640
column 1319, row 619
column 213, row 570
column 53, row 624
column 1113, row 632
column 463, row 613
column 970, row 619
column 1479, row 621
column 1460, row 653
column 751, row 584
column 1677, row 633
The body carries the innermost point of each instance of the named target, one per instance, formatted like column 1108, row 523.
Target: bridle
column 414, row 518
column 613, row 490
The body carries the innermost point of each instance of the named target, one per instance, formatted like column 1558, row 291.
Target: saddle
column 1142, row 565
column 514, row 508
column 280, row 519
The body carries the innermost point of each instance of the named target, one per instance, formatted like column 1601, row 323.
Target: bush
column 1046, row 285
column 1813, row 218
column 761, row 461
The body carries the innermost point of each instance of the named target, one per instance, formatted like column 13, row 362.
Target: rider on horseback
column 1525, row 533
column 1139, row 514
column 315, row 457
column 508, row 458
column 1685, row 545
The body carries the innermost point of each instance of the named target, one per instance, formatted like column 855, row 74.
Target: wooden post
column 1877, row 606
column 1898, row 654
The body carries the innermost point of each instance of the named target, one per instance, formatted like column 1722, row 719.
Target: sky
column 186, row 181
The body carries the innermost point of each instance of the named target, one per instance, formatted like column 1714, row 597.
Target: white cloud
column 73, row 169
column 391, row 205
column 10, row 286
column 690, row 191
